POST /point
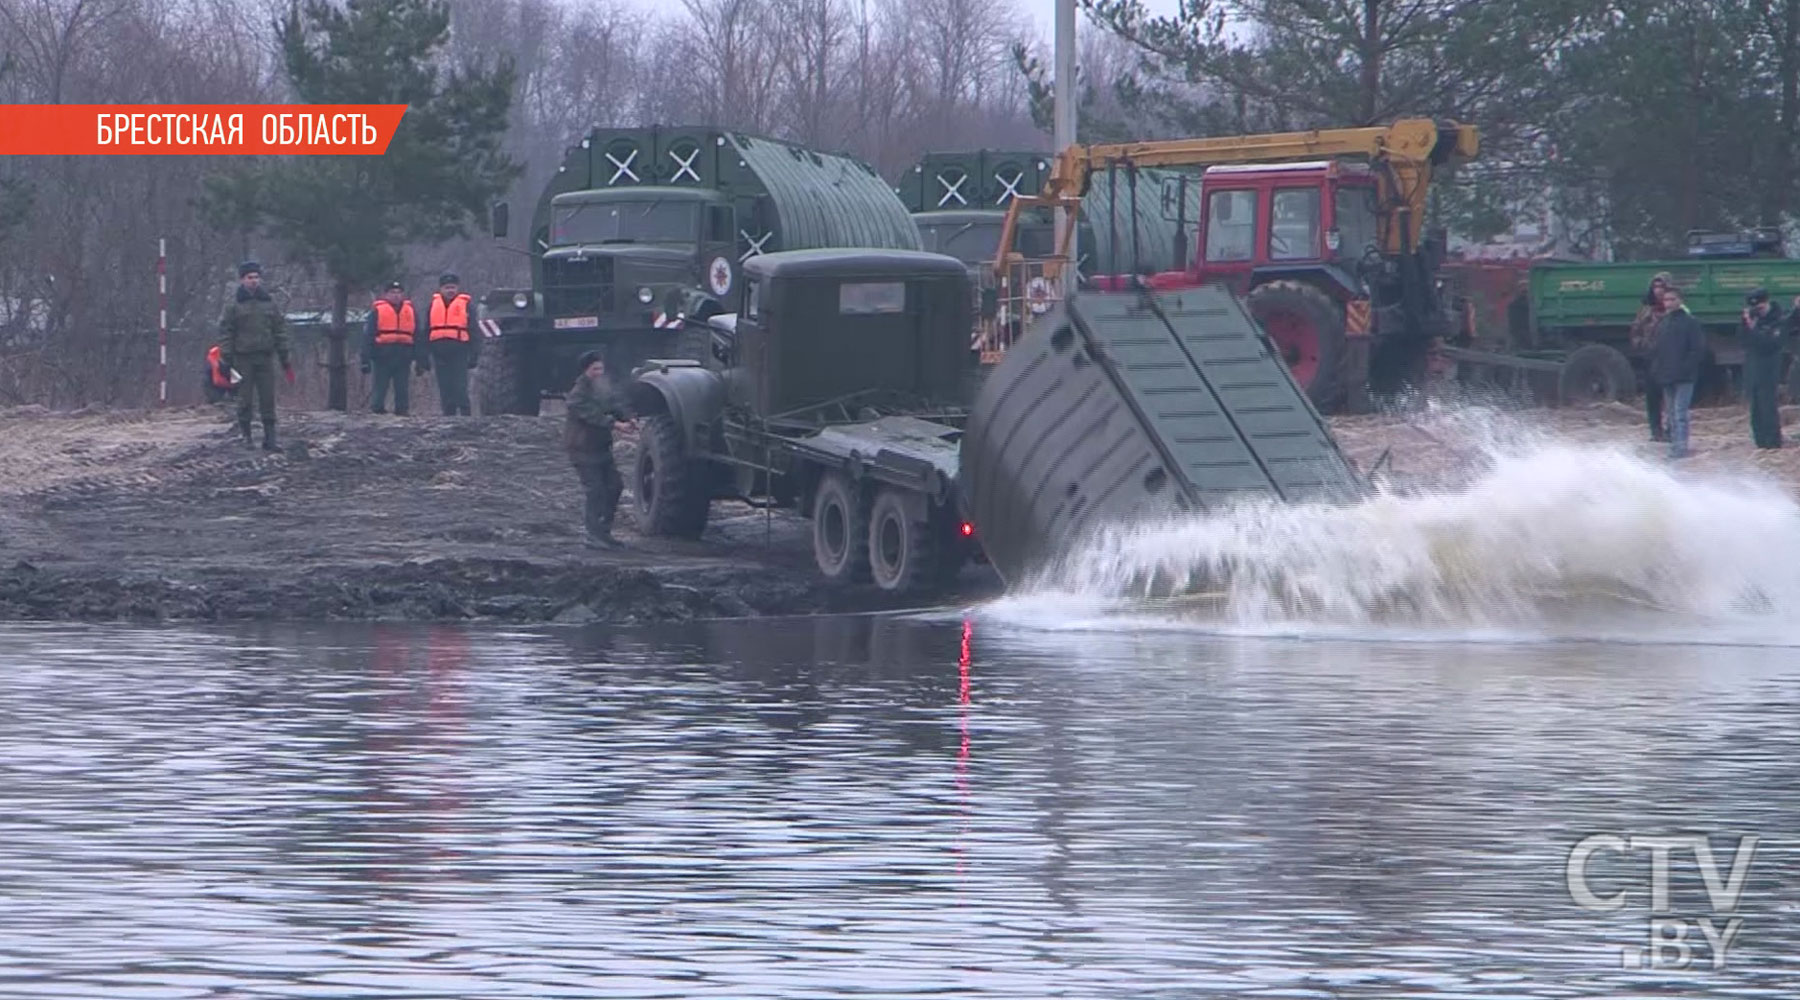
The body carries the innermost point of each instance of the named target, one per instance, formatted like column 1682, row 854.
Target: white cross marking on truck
column 624, row 167
column 1012, row 186
column 685, row 166
column 952, row 190
column 756, row 244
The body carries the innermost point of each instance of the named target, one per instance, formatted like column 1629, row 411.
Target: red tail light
column 968, row 530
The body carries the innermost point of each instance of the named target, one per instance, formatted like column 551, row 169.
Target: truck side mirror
column 500, row 218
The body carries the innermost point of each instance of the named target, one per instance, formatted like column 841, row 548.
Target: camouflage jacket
column 252, row 324
column 1643, row 328
column 590, row 409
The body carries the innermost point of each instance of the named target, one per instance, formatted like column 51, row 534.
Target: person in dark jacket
column 1675, row 361
column 253, row 336
column 1643, row 341
column 591, row 409
column 391, row 345
column 1762, row 336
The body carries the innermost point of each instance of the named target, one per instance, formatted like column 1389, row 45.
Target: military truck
column 643, row 231
column 959, row 200
column 836, row 386
column 1559, row 330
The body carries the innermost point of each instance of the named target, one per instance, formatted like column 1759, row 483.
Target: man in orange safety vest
column 391, row 345
column 454, row 345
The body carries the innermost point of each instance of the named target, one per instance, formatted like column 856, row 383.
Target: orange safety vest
column 215, row 364
column 394, row 326
column 450, row 322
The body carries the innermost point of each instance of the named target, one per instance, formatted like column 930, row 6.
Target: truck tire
column 669, row 486
column 840, row 527
column 502, row 384
column 1307, row 329
column 902, row 549
column 1596, row 373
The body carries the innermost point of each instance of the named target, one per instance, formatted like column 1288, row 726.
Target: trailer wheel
column 840, row 523
column 902, row 550
column 1596, row 373
column 503, row 383
column 1307, row 328
column 669, row 485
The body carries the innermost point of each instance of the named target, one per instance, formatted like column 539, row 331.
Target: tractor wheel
column 670, row 485
column 503, row 383
column 1596, row 373
column 1307, row 328
column 902, row 549
column 840, row 527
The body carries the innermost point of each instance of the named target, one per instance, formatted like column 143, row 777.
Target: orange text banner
column 197, row 129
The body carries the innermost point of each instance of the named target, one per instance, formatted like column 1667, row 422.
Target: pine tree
column 353, row 216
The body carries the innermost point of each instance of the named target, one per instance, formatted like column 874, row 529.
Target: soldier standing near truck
column 454, row 346
column 253, row 337
column 1643, row 342
column 390, row 347
column 591, row 411
column 1762, row 335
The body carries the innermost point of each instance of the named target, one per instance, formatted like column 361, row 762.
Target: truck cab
column 838, row 388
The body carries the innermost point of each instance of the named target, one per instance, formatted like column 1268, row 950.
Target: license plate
column 577, row 322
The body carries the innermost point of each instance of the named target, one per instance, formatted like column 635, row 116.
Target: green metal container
column 1574, row 295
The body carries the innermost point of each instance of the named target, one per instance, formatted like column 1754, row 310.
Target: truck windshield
column 976, row 242
column 654, row 221
column 1357, row 227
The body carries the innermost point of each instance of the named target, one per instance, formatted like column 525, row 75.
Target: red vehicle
column 1320, row 232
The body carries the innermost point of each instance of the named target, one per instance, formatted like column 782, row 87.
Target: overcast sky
column 1044, row 13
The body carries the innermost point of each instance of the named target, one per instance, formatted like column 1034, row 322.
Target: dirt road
column 164, row 515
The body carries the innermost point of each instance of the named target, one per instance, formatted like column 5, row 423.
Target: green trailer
column 1563, row 327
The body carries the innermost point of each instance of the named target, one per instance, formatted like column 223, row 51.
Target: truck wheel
column 1596, row 373
column 671, row 494
column 840, row 525
column 502, row 382
column 1307, row 328
column 902, row 550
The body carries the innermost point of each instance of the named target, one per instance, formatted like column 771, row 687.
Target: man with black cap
column 1762, row 335
column 590, row 411
column 454, row 345
column 253, row 336
column 390, row 347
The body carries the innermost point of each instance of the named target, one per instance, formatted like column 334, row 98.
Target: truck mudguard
column 692, row 395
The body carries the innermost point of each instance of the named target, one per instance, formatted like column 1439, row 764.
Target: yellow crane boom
column 1404, row 155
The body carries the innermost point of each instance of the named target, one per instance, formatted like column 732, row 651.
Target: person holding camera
column 1762, row 335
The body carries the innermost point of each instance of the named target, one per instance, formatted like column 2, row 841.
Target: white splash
column 1550, row 532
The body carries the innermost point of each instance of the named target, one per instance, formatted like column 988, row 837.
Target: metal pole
column 1063, row 132
column 162, row 321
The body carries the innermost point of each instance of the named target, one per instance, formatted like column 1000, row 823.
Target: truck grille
column 581, row 287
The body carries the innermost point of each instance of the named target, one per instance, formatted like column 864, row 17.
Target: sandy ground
column 112, row 515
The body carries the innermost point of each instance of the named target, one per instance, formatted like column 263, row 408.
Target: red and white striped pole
column 162, row 321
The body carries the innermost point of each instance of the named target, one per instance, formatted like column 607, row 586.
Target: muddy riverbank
column 134, row 515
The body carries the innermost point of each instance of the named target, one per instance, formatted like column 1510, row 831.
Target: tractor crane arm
column 1404, row 154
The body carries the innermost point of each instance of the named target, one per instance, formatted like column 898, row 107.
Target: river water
column 1062, row 794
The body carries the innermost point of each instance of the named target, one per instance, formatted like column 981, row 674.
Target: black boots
column 244, row 429
column 268, row 436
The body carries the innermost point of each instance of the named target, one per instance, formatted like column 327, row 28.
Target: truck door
column 1229, row 234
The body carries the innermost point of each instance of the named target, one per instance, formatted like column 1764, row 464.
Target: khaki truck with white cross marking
column 641, row 235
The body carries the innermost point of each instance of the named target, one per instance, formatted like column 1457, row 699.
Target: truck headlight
column 521, row 301
column 645, row 295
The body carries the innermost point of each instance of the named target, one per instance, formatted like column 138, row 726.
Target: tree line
column 1634, row 120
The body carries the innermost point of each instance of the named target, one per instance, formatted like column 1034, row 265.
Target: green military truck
column 642, row 231
column 959, row 201
column 837, row 386
column 1562, row 328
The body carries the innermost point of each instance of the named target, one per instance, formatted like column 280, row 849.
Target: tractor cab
column 1258, row 222
column 1765, row 242
column 821, row 328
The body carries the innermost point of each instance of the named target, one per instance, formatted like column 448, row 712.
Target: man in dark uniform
column 454, row 345
column 1762, row 334
column 253, row 336
column 391, row 345
column 591, row 410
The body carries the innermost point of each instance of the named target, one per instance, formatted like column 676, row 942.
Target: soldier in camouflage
column 252, row 337
column 592, row 409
